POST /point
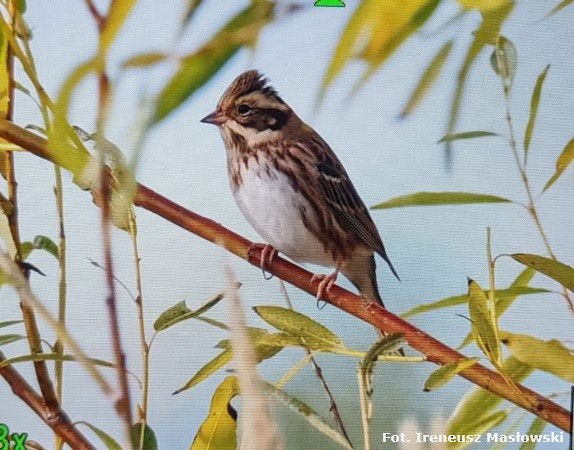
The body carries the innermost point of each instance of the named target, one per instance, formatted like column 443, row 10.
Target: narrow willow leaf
column 486, row 34
column 548, row 356
column 504, row 60
column 207, row 370
column 475, row 413
column 266, row 344
column 149, row 439
column 486, row 422
column 192, row 6
column 9, row 323
column 219, row 429
column 562, row 163
column 534, row 102
column 109, row 442
column 51, row 357
column 144, row 60
column 466, row 135
column 563, row 4
column 536, row 429
column 439, row 198
column 46, row 244
column 445, row 373
column 9, row 338
column 482, row 5
column 180, row 312
column 427, row 79
column 308, row 414
column 117, row 15
column 484, row 323
column 502, row 296
column 198, row 68
column 556, row 270
column 312, row 334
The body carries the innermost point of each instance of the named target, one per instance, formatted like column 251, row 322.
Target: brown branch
column 56, row 419
column 435, row 351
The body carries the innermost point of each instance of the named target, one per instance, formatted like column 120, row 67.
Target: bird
column 293, row 189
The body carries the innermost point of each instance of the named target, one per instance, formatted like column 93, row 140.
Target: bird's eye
column 244, row 109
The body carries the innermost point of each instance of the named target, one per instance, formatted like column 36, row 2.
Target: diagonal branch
column 435, row 351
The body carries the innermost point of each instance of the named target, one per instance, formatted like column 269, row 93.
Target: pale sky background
column 434, row 249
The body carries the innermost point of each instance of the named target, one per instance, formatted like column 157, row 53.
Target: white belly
column 272, row 208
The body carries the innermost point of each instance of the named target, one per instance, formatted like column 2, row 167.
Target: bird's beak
column 215, row 118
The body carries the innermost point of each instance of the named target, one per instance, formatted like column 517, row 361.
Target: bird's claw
column 326, row 282
column 268, row 253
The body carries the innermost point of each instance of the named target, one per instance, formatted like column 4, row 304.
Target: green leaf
column 115, row 18
column 207, row 370
column 484, row 323
column 556, row 270
column 439, row 198
column 308, row 414
column 482, row 5
column 502, row 297
column 50, row 357
column 312, row 334
column 486, row 34
column 535, row 429
column 9, row 323
column 219, row 429
column 548, row 356
column 504, row 60
column 534, row 102
column 563, row 4
column 475, row 413
column 9, row 338
column 149, row 439
column 144, row 60
column 180, row 312
column 266, row 344
column 427, row 79
column 110, row 442
column 445, row 373
column 562, row 163
column 199, row 67
column 466, row 135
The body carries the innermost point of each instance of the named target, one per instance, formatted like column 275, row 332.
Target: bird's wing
column 342, row 196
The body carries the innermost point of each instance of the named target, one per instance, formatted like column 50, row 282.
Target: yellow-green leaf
column 439, row 198
column 484, row 323
column 144, row 60
column 207, row 370
column 308, row 414
column 536, row 429
column 563, row 4
column 312, row 334
column 562, row 163
column 427, row 79
column 550, row 356
column 503, row 296
column 9, row 323
column 482, row 5
column 219, row 429
column 198, row 68
column 445, row 373
column 9, row 338
column 466, row 135
column 117, row 15
column 534, row 102
column 375, row 31
column 475, row 413
column 486, row 34
column 109, row 442
column 556, row 270
column 180, row 312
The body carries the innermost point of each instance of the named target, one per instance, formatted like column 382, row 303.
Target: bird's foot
column 326, row 282
column 268, row 253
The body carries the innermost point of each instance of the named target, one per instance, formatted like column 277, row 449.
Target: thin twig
column 319, row 372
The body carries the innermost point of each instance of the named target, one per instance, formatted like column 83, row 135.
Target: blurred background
column 433, row 248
